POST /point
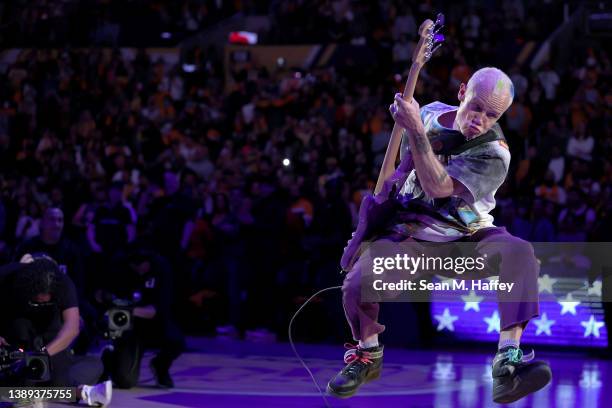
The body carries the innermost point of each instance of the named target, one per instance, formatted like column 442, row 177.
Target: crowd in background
column 26, row 23
column 251, row 188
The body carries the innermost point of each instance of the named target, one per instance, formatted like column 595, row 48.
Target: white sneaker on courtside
column 98, row 395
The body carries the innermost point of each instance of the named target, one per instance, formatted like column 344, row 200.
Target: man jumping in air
column 450, row 200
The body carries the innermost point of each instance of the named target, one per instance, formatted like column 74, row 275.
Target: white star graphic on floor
column 568, row 304
column 493, row 322
column 543, row 325
column 472, row 301
column 445, row 320
column 591, row 327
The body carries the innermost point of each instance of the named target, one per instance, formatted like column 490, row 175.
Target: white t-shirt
column 481, row 169
column 581, row 148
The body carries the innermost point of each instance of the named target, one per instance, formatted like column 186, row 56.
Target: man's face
column 141, row 268
column 480, row 108
column 53, row 224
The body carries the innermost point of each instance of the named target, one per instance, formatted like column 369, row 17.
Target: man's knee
column 518, row 249
column 352, row 281
column 521, row 255
column 124, row 366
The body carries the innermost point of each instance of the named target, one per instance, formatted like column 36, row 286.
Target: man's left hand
column 407, row 114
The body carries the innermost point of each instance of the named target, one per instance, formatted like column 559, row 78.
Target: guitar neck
column 388, row 166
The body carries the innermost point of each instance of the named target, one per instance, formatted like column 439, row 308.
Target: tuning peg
column 435, row 49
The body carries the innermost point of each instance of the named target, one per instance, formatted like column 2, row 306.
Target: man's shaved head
column 487, row 95
column 493, row 84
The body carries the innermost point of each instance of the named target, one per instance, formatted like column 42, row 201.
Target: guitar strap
column 452, row 142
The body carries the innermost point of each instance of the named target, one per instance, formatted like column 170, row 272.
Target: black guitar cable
column 293, row 345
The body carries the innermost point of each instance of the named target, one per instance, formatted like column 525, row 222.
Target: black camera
column 20, row 365
column 119, row 318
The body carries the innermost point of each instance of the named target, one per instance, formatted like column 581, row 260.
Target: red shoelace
column 355, row 353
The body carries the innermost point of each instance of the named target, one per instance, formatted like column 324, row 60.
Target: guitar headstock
column 431, row 39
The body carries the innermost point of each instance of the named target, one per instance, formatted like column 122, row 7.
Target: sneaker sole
column 374, row 375
column 528, row 386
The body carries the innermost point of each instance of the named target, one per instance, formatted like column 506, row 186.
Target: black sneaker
column 161, row 374
column 515, row 375
column 363, row 365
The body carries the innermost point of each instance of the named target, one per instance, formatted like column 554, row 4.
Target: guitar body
column 373, row 217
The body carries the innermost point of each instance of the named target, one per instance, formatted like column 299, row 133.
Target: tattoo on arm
column 421, row 143
column 442, row 177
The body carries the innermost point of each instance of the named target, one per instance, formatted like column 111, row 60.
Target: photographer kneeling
column 40, row 314
column 141, row 297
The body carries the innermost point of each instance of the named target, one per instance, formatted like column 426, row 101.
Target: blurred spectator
column 550, row 81
column 461, row 73
column 112, row 226
column 518, row 119
column 550, row 190
column 402, row 54
column 28, row 223
column 52, row 242
column 520, row 82
column 543, row 229
column 577, row 220
column 581, row 144
column 557, row 163
column 404, row 26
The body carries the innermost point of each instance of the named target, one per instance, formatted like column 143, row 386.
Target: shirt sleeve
column 66, row 293
column 482, row 172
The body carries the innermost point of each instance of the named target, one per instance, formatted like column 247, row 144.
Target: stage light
column 166, row 35
column 243, row 37
column 286, row 162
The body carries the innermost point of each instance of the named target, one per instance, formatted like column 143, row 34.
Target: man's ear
column 461, row 94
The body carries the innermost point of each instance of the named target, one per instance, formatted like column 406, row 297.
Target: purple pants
column 518, row 264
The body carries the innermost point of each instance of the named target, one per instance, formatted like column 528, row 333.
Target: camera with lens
column 19, row 365
column 120, row 318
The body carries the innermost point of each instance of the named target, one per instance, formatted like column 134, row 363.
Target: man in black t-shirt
column 146, row 279
column 40, row 313
column 113, row 225
column 37, row 296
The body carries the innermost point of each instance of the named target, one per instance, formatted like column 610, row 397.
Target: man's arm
column 145, row 312
column 91, row 238
column 434, row 179
column 68, row 332
column 162, row 299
